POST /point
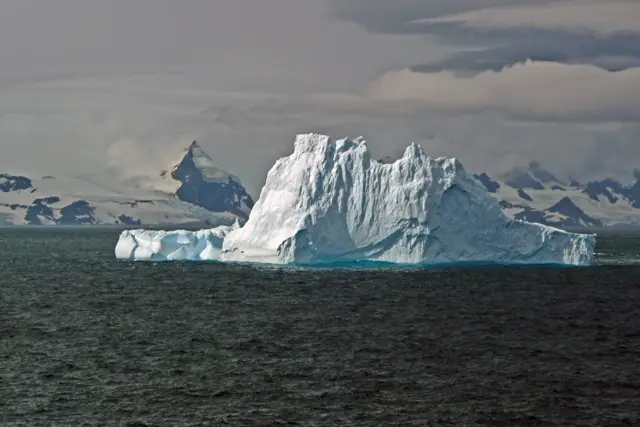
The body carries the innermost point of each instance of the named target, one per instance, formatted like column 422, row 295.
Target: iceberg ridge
column 330, row 202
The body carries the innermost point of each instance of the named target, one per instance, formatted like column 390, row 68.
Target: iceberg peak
column 413, row 150
column 319, row 144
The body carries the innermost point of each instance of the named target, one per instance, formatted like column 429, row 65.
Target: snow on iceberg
column 178, row 245
column 330, row 202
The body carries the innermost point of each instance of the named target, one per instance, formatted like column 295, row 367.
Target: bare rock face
column 204, row 184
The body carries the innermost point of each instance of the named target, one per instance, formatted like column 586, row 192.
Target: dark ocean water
column 88, row 340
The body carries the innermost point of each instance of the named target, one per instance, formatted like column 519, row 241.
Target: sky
column 123, row 85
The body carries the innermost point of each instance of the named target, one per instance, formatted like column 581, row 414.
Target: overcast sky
column 86, row 84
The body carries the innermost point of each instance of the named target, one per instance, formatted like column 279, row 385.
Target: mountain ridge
column 535, row 194
column 195, row 192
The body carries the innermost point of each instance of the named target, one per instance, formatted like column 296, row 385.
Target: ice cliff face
column 331, row 202
column 178, row 245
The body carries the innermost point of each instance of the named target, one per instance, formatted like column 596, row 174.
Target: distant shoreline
column 616, row 229
column 186, row 226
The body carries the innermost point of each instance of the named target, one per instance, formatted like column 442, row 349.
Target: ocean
column 89, row 340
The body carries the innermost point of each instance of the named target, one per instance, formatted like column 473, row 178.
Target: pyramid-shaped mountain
column 204, row 184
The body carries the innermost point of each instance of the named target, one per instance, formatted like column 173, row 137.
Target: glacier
column 331, row 202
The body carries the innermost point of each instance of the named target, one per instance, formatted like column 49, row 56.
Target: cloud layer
column 599, row 17
column 502, row 32
column 531, row 90
column 89, row 83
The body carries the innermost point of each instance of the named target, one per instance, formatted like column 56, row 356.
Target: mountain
column 534, row 177
column 536, row 195
column 192, row 191
column 563, row 214
column 203, row 184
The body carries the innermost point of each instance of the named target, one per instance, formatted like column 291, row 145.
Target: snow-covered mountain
column 200, row 182
column 191, row 191
column 534, row 194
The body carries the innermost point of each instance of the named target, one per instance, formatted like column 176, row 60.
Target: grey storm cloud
column 383, row 16
column 503, row 32
column 614, row 53
column 556, row 60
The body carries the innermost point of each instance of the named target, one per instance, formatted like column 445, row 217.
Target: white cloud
column 532, row 90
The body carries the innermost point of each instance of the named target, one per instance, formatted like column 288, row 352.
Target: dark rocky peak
column 79, row 212
column 634, row 191
column 567, row 208
column 491, row 185
column 608, row 188
column 524, row 195
column 521, row 179
column 14, row 183
column 206, row 185
column 541, row 174
column 534, row 177
column 575, row 183
column 571, row 215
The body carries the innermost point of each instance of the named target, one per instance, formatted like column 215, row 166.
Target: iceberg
column 331, row 202
column 177, row 245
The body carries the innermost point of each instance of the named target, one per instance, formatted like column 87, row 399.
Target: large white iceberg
column 331, row 202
